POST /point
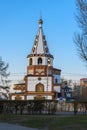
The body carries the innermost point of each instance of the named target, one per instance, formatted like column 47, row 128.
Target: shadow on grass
column 47, row 122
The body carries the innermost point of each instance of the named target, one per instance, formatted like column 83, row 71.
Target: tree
column 81, row 38
column 4, row 82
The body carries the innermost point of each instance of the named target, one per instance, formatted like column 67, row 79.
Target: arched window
column 39, row 87
column 30, row 61
column 39, row 61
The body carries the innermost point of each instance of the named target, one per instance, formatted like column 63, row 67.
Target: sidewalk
column 6, row 126
column 70, row 113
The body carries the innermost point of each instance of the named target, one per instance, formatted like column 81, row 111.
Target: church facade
column 42, row 80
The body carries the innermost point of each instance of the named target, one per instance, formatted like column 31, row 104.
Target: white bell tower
column 40, row 78
column 40, row 55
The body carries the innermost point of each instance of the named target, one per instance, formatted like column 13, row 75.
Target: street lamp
column 47, row 82
column 48, row 65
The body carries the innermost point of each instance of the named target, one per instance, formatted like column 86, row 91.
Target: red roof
column 83, row 79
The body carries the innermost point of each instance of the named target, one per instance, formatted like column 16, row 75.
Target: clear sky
column 19, row 25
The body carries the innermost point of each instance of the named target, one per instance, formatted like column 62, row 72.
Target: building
column 42, row 80
column 83, row 88
column 83, row 82
column 66, row 91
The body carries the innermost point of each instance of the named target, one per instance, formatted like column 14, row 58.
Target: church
column 42, row 80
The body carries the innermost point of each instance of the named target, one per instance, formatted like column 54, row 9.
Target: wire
column 16, row 77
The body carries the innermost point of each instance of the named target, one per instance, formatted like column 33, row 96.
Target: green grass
column 52, row 122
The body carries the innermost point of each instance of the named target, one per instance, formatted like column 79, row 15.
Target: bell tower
column 41, row 75
column 40, row 56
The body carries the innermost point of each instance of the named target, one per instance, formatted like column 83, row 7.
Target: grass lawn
column 48, row 122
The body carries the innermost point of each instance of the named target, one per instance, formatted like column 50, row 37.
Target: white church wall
column 33, row 81
column 27, row 61
column 35, row 61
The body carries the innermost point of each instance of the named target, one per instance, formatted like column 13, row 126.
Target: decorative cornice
column 40, row 55
column 30, row 75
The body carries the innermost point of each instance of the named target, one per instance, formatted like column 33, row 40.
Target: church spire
column 40, row 46
column 40, row 43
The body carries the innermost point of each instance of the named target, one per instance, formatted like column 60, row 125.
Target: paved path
column 6, row 126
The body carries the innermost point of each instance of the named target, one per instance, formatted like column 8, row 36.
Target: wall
column 33, row 81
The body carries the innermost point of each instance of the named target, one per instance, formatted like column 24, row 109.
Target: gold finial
column 40, row 21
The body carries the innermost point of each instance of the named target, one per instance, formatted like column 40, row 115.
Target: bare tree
column 4, row 82
column 81, row 38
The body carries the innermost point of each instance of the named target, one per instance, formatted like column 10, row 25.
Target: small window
column 39, row 61
column 30, row 61
column 56, row 80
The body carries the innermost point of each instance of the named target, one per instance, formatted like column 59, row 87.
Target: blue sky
column 19, row 25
